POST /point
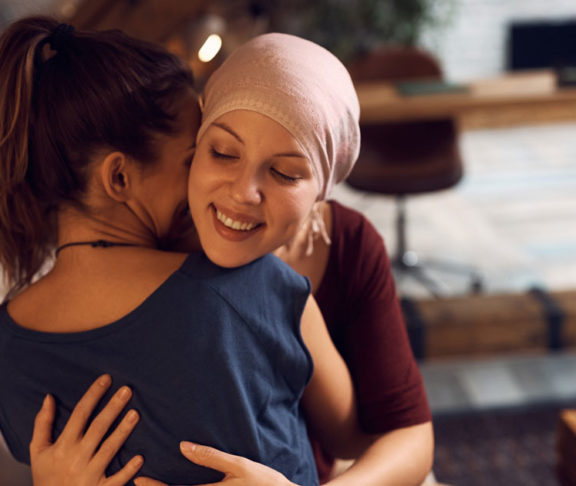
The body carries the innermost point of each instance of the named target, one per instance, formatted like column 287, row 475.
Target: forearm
column 402, row 457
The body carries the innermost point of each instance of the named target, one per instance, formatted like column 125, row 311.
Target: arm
column 79, row 458
column 359, row 303
column 366, row 471
column 400, row 457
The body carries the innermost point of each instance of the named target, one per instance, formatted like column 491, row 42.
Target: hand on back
column 79, row 457
column 238, row 471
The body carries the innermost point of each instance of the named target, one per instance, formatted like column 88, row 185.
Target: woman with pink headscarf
column 282, row 81
column 280, row 128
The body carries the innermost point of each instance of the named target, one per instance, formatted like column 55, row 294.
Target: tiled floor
column 514, row 217
column 457, row 385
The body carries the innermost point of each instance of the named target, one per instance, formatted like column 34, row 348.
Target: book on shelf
column 428, row 87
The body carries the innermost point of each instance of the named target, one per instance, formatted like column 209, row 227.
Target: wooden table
column 476, row 108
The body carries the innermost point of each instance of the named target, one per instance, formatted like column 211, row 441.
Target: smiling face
column 251, row 188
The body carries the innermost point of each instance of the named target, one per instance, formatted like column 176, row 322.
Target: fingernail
column 124, row 392
column 132, row 416
column 104, row 380
column 187, row 446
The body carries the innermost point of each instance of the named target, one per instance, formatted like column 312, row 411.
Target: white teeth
column 235, row 225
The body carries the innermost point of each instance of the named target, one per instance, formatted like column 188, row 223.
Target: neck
column 75, row 226
column 93, row 244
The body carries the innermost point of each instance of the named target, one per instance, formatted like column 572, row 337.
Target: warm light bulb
column 210, row 48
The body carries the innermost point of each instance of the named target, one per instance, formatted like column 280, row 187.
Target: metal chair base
column 407, row 263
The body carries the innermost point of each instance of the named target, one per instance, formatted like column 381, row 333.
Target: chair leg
column 417, row 273
column 406, row 262
column 476, row 281
column 400, row 227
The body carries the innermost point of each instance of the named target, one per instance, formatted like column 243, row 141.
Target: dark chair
column 412, row 157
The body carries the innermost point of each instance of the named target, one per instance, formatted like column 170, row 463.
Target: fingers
column 212, row 458
column 148, row 482
column 102, row 422
column 112, row 444
column 127, row 472
column 84, row 408
column 42, row 434
column 73, row 455
column 203, row 456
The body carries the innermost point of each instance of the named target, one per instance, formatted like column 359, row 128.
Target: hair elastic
column 60, row 36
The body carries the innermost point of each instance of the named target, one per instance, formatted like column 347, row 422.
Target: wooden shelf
column 508, row 100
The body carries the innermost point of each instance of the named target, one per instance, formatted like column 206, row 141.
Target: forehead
column 251, row 125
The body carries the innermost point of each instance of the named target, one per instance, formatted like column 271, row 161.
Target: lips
column 234, row 227
column 235, row 224
column 232, row 224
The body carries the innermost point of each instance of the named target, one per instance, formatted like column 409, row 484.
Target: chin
column 227, row 260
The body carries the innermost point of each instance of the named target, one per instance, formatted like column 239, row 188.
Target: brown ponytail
column 57, row 108
column 21, row 219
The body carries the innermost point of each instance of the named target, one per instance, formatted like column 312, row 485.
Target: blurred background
column 468, row 36
column 496, row 341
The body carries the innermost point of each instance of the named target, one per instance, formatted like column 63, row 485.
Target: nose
column 245, row 188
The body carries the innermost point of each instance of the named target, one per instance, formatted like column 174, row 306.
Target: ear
column 115, row 176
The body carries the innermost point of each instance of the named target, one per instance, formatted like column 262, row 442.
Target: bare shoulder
column 93, row 291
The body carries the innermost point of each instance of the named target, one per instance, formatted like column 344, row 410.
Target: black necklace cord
column 94, row 244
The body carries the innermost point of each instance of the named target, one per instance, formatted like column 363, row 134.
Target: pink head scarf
column 304, row 88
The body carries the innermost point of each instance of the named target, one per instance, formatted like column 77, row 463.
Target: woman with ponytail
column 65, row 96
column 91, row 126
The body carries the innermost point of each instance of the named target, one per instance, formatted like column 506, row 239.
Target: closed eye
column 220, row 155
column 283, row 176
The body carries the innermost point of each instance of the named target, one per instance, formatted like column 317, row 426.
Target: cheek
column 192, row 180
column 196, row 180
column 295, row 207
column 203, row 175
column 201, row 190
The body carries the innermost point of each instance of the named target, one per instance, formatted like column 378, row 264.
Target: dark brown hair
column 101, row 90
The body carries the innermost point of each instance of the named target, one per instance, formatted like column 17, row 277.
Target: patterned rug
column 499, row 447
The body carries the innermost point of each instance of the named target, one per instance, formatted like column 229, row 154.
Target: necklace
column 94, row 244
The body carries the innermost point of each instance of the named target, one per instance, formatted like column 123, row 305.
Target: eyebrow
column 229, row 130
column 226, row 128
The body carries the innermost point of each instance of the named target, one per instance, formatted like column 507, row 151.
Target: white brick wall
column 473, row 45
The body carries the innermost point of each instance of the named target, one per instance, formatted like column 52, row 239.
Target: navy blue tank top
column 214, row 356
